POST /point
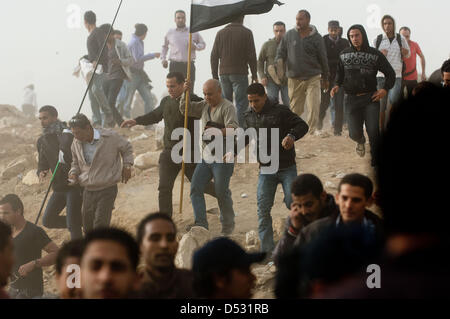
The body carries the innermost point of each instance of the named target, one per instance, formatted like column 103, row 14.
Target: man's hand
column 128, row 124
column 334, row 91
column 384, row 51
column 187, row 86
column 405, row 52
column 264, row 81
column 24, row 270
column 423, row 77
column 126, row 174
column 325, row 85
column 378, row 95
column 157, row 55
column 43, row 175
column 73, row 180
column 288, row 142
column 165, row 64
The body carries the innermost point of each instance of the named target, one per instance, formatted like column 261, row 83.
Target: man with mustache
column 160, row 279
column 310, row 202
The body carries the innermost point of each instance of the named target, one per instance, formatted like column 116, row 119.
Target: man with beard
column 160, row 279
column 53, row 146
column 310, row 202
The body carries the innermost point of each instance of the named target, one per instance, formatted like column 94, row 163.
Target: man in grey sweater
column 303, row 51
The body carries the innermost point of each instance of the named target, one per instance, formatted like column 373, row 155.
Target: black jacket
column 49, row 147
column 357, row 70
column 310, row 232
column 333, row 51
column 275, row 115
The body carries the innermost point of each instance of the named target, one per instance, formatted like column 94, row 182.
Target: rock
column 31, row 178
column 189, row 243
column 143, row 136
column 14, row 168
column 251, row 238
column 279, row 226
column 329, row 184
column 244, row 195
column 147, row 160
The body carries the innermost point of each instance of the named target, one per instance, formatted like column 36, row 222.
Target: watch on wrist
column 291, row 136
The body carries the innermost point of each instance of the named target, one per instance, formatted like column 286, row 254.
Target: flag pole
column 187, row 96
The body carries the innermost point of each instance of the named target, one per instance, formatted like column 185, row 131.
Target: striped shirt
column 394, row 55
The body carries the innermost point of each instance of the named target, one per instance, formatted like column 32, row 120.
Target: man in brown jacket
column 235, row 48
column 97, row 166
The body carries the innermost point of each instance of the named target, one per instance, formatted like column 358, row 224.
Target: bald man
column 218, row 121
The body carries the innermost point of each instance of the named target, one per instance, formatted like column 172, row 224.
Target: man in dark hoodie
column 334, row 45
column 53, row 146
column 310, row 202
column 357, row 71
column 303, row 51
column 268, row 115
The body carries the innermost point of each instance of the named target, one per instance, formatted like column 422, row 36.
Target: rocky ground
column 327, row 156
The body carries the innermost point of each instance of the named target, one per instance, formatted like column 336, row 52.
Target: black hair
column 149, row 218
column 118, row 32
column 445, row 66
column 79, row 121
column 239, row 19
column 305, row 184
column 73, row 248
column 256, row 88
column 105, row 28
column 5, row 235
column 356, row 179
column 90, row 17
column 14, row 201
column 280, row 23
column 307, row 14
column 141, row 29
column 406, row 29
column 387, row 16
column 204, row 282
column 50, row 110
column 116, row 235
column 180, row 11
column 403, row 149
column 178, row 75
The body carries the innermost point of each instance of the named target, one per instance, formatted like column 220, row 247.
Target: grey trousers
column 97, row 208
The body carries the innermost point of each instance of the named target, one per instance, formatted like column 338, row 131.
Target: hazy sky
column 43, row 39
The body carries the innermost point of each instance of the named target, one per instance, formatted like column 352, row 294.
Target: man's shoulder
column 318, row 224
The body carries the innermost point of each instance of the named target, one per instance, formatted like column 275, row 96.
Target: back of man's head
column 90, row 17
column 51, row 110
column 14, row 201
column 413, row 163
column 445, row 66
column 307, row 184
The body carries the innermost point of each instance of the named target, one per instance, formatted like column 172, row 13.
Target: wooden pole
column 187, row 95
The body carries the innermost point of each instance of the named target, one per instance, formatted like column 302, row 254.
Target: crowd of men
column 363, row 85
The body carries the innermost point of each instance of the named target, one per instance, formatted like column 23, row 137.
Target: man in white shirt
column 177, row 41
column 395, row 47
column 29, row 105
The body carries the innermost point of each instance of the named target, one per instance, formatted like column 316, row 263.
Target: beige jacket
column 106, row 168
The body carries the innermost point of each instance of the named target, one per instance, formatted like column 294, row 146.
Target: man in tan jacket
column 97, row 166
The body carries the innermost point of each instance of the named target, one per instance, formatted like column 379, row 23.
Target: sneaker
column 189, row 227
column 360, row 150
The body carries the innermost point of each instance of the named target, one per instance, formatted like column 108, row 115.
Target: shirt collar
column 181, row 29
column 96, row 136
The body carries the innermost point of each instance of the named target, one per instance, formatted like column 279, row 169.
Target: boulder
column 147, row 160
column 189, row 243
column 14, row 168
column 30, row 178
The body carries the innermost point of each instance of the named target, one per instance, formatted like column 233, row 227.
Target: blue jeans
column 72, row 201
column 97, row 118
column 138, row 83
column 394, row 97
column 236, row 84
column 273, row 91
column 267, row 187
column 122, row 99
column 204, row 172
column 102, row 101
column 361, row 110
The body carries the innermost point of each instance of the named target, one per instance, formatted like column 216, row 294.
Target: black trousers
column 410, row 85
column 168, row 172
column 182, row 68
column 112, row 89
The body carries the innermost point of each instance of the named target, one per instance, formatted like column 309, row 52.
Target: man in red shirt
column 410, row 75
